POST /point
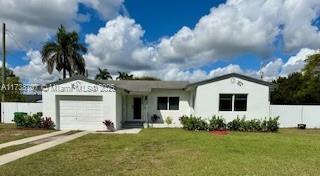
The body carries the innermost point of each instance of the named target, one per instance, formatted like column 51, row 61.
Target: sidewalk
column 6, row 158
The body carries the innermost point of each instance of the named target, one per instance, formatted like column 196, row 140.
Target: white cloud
column 106, row 8
column 272, row 70
column 233, row 28
column 32, row 22
column 240, row 26
column 297, row 62
column 118, row 46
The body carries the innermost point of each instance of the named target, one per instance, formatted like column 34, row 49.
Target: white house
column 81, row 103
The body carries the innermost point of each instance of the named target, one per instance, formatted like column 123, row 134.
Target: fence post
column 301, row 115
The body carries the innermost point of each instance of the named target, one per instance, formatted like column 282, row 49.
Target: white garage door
column 80, row 115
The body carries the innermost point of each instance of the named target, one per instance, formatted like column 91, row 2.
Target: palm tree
column 124, row 76
column 103, row 74
column 65, row 53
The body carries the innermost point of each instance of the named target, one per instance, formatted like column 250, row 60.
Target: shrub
column 33, row 121
column 254, row 125
column 217, row 123
column 47, row 123
column 19, row 119
column 193, row 123
column 273, row 124
column 109, row 124
column 168, row 120
column 235, row 124
column 154, row 118
column 24, row 120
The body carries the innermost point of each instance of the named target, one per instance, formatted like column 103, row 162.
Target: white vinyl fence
column 291, row 115
column 9, row 108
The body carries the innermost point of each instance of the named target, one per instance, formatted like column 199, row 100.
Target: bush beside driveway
column 178, row 152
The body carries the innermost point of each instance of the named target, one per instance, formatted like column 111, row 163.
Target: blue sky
column 168, row 34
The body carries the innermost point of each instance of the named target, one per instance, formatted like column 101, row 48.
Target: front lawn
column 178, row 152
column 8, row 132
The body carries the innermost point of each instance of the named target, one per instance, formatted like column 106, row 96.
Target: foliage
column 273, row 124
column 11, row 88
column 124, row 76
column 19, row 119
column 235, row 124
column 168, row 120
column 154, row 118
column 299, row 88
column 66, row 53
column 193, row 123
column 23, row 120
column 103, row 74
column 149, row 78
column 47, row 123
column 109, row 124
column 312, row 67
column 216, row 123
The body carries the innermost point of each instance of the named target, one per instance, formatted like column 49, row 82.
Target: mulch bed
column 219, row 132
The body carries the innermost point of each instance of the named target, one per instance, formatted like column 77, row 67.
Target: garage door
column 80, row 114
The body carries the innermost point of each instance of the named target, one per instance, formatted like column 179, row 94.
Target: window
column 162, row 103
column 173, row 103
column 240, row 102
column 233, row 102
column 168, row 103
column 225, row 102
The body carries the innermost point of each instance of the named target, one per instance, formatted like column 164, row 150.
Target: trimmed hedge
column 218, row 123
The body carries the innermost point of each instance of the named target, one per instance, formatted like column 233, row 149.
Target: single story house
column 81, row 103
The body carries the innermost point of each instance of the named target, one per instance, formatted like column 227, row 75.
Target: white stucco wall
column 9, row 108
column 207, row 99
column 51, row 96
column 292, row 115
column 118, row 110
column 184, row 108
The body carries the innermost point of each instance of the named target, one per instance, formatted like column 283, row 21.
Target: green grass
column 15, row 148
column 8, row 132
column 178, row 152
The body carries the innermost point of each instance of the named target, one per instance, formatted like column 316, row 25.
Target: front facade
column 82, row 104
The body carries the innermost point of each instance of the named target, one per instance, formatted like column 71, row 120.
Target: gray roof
column 146, row 85
column 237, row 75
column 129, row 85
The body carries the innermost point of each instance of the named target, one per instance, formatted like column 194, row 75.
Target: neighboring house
column 32, row 98
column 81, row 103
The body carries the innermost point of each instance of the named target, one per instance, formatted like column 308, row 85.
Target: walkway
column 45, row 143
column 30, row 139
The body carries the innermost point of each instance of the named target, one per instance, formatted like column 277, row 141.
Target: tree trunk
column 64, row 66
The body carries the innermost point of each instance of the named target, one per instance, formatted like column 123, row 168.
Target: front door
column 137, row 108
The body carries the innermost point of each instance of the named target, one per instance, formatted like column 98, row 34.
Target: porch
column 134, row 110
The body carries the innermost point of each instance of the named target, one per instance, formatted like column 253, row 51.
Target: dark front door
column 136, row 108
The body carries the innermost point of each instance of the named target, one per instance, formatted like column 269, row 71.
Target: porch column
column 146, row 113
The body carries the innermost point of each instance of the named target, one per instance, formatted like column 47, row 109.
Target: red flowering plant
column 109, row 124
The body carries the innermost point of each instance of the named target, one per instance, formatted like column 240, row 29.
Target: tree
column 146, row 78
column 65, row 53
column 12, row 88
column 300, row 88
column 312, row 67
column 124, row 76
column 103, row 74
